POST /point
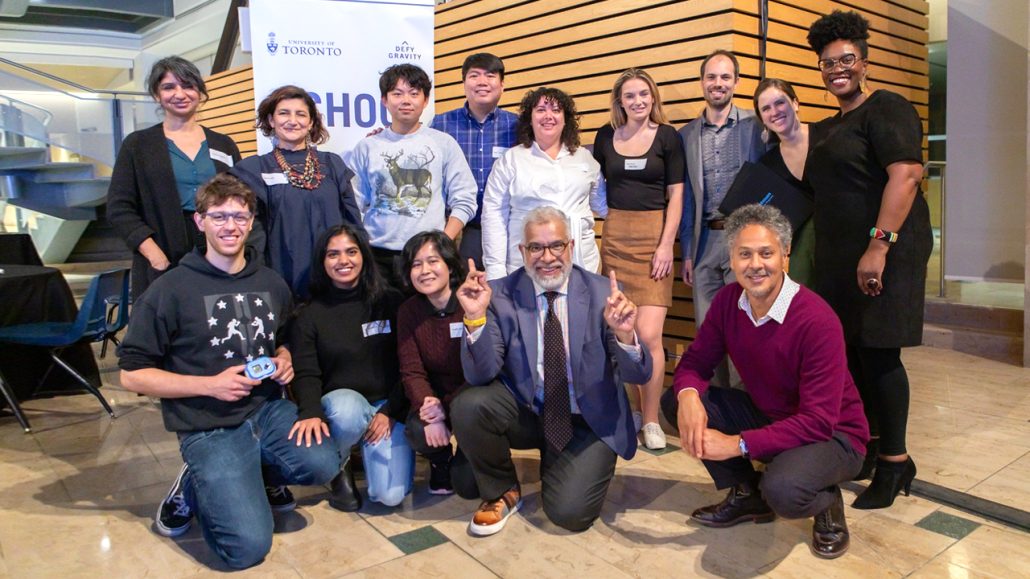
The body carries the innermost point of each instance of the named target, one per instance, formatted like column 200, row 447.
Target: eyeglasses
column 218, row 218
column 846, row 61
column 557, row 248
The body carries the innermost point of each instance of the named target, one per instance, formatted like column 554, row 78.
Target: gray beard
column 550, row 284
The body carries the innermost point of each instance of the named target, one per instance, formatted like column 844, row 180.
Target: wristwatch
column 743, row 449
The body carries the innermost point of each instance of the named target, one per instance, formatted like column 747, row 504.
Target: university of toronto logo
column 272, row 45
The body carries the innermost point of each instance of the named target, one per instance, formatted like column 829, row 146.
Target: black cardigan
column 143, row 202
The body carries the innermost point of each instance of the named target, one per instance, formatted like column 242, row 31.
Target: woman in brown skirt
column 643, row 163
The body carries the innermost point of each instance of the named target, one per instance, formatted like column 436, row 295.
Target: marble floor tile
column 521, row 549
column 1008, row 486
column 445, row 560
column 1002, row 553
column 899, row 548
column 939, row 568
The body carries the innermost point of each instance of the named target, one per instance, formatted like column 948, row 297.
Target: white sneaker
column 638, row 421
column 654, row 438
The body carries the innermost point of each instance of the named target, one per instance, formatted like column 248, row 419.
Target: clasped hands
column 696, row 438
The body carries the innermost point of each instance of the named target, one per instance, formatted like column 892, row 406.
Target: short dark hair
column 838, row 25
column 784, row 87
column 413, row 75
column 485, row 61
column 184, row 70
column 767, row 216
column 318, row 133
column 221, row 188
column 447, row 249
column 370, row 282
column 727, row 54
column 569, row 134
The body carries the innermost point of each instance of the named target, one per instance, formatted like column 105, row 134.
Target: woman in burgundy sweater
column 429, row 331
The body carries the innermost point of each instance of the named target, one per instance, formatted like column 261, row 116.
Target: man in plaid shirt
column 483, row 131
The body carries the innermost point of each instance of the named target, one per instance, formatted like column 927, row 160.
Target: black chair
column 91, row 323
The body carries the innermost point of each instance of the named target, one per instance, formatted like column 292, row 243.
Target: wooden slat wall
column 580, row 46
column 230, row 108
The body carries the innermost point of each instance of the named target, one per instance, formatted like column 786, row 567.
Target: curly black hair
column 838, row 25
column 569, row 134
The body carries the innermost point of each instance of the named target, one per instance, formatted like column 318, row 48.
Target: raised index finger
column 615, row 284
column 472, row 265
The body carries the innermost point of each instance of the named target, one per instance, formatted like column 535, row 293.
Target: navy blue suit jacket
column 506, row 350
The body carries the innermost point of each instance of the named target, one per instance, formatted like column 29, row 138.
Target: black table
column 32, row 293
column 17, row 248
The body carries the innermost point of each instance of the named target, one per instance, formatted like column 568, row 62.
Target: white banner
column 336, row 50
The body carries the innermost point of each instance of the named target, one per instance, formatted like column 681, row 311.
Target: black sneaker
column 174, row 516
column 440, row 478
column 280, row 499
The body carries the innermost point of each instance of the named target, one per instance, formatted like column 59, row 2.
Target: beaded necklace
column 310, row 178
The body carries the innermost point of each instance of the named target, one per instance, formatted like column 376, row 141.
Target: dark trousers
column 472, row 245
column 883, row 385
column 390, row 263
column 488, row 423
column 416, row 433
column 800, row 482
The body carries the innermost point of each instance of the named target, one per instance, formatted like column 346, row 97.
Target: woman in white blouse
column 547, row 167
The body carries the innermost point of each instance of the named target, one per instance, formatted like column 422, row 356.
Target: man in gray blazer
column 717, row 143
column 546, row 351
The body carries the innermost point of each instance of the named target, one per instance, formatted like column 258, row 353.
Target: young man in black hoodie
column 189, row 338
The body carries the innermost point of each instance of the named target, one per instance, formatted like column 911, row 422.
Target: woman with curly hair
column 873, row 239
column 548, row 167
column 301, row 191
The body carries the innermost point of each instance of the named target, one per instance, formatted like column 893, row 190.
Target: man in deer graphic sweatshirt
column 409, row 178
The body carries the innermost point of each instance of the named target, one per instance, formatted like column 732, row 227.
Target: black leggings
column 883, row 385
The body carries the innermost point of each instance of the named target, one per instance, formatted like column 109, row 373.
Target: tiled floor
column 78, row 494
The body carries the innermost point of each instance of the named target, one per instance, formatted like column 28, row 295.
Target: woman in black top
column 301, row 191
column 873, row 238
column 345, row 361
column 643, row 163
column 158, row 171
column 777, row 106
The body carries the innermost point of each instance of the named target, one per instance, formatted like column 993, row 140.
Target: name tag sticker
column 220, row 156
column 274, row 178
column 375, row 328
column 498, row 151
column 636, row 164
column 457, row 329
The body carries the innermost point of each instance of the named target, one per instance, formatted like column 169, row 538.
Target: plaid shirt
column 482, row 143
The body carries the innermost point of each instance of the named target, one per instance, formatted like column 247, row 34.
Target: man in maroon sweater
column 800, row 412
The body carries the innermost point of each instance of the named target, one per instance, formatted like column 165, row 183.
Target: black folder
column 756, row 183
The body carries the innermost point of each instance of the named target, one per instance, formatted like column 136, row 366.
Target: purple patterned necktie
column 557, row 412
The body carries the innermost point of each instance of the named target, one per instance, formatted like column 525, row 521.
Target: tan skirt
column 628, row 242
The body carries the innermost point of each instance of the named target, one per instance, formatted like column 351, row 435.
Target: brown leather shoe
column 830, row 536
column 743, row 503
column 492, row 515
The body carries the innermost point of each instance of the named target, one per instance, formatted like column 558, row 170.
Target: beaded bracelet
column 888, row 236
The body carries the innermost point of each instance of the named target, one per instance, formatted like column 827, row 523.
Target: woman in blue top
column 158, row 171
column 301, row 191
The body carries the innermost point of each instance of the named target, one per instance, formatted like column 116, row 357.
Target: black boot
column 830, row 537
column 872, row 449
column 889, row 480
column 345, row 496
column 743, row 503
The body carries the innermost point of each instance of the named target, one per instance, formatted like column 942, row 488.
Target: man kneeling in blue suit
column 546, row 351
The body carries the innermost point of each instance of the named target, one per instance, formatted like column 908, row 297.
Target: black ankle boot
column 890, row 479
column 830, row 537
column 345, row 496
column 743, row 503
column 872, row 450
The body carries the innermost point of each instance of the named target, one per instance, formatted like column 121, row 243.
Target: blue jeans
column 226, row 484
column 389, row 464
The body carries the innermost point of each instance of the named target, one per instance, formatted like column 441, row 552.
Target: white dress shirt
column 525, row 178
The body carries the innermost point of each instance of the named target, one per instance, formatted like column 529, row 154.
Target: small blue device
column 260, row 368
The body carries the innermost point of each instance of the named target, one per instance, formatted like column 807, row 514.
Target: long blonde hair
column 618, row 116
